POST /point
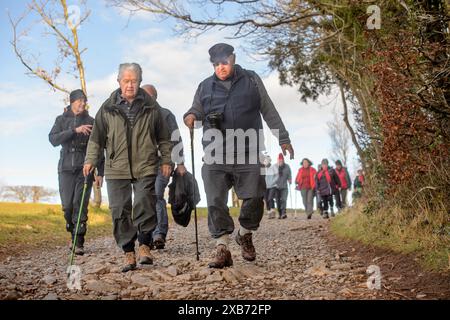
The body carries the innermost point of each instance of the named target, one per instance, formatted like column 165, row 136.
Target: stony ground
column 296, row 260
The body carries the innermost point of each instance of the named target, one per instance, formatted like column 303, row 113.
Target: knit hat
column 77, row 94
column 280, row 157
column 338, row 163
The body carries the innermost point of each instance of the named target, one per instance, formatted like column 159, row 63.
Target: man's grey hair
column 136, row 68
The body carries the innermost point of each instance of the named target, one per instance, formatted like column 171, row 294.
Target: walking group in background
column 328, row 185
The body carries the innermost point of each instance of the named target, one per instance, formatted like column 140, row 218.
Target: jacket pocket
column 112, row 153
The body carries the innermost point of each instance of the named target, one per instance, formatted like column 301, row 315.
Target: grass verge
column 430, row 244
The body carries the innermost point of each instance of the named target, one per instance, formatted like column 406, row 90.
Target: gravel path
column 294, row 261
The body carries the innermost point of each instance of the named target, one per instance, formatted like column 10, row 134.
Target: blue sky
column 174, row 64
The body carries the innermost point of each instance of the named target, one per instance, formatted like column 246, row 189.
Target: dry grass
column 426, row 235
column 32, row 225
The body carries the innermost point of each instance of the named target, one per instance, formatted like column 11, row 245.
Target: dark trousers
column 327, row 203
column 249, row 185
column 270, row 198
column 132, row 219
column 337, row 196
column 71, row 185
column 281, row 198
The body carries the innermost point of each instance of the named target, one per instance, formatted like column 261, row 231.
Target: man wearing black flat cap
column 72, row 130
column 230, row 102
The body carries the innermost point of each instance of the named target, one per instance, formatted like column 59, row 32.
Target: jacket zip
column 127, row 125
column 73, row 145
column 129, row 136
column 113, row 152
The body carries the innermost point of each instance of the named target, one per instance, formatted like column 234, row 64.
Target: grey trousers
column 343, row 198
column 308, row 200
column 70, row 190
column 249, row 185
column 132, row 219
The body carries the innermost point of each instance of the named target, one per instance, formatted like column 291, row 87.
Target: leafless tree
column 20, row 193
column 39, row 193
column 340, row 138
column 61, row 21
column 24, row 193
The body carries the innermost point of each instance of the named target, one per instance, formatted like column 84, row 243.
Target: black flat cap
column 77, row 94
column 220, row 51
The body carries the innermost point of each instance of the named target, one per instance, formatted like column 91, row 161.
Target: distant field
column 26, row 226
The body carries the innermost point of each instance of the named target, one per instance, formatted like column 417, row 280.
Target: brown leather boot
column 130, row 261
column 247, row 248
column 222, row 258
column 145, row 257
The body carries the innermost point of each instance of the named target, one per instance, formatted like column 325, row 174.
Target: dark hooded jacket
column 73, row 144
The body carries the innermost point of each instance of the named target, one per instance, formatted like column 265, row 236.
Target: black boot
column 79, row 249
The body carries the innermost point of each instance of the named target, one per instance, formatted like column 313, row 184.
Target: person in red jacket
column 327, row 183
column 305, row 183
column 346, row 184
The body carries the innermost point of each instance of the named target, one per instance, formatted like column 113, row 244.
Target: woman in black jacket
column 72, row 130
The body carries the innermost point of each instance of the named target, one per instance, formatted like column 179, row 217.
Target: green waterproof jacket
column 131, row 151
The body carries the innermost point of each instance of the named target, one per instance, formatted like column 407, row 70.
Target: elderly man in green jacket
column 129, row 126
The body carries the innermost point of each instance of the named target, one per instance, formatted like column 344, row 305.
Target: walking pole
column 191, row 130
column 295, row 202
column 74, row 242
column 290, row 196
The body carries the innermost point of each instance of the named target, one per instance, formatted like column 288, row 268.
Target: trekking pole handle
column 86, row 179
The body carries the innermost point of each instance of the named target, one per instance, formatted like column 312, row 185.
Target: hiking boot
column 79, row 251
column 247, row 248
column 159, row 243
column 308, row 216
column 130, row 261
column 271, row 214
column 145, row 257
column 222, row 258
column 332, row 214
column 325, row 215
